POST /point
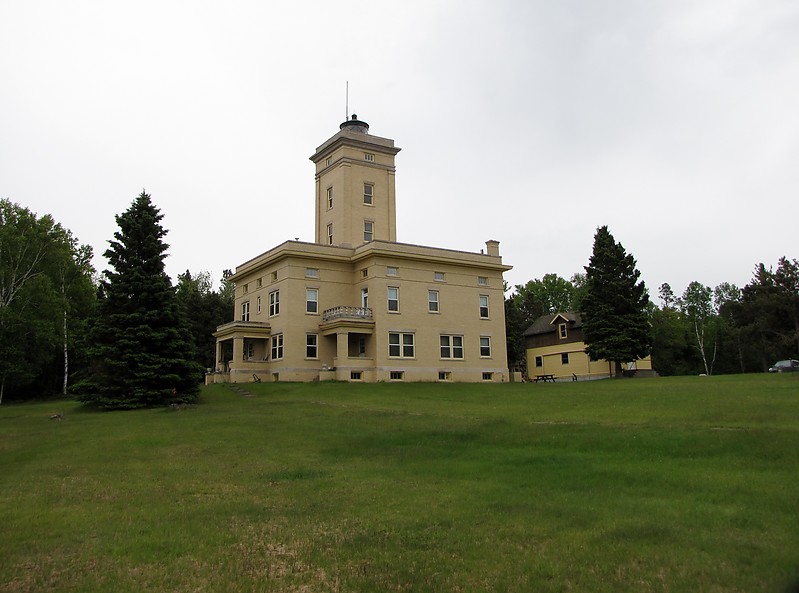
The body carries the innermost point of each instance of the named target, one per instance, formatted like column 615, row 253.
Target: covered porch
column 242, row 349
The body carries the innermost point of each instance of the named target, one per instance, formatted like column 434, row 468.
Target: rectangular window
column 365, row 298
column 311, row 273
column 432, row 301
column 368, row 157
column 400, row 345
column 329, row 197
column 365, row 273
column 274, row 303
column 274, row 276
column 245, row 311
column 327, row 162
column 330, row 234
column 311, row 346
column 393, row 299
column 482, row 281
column 311, row 300
column 258, row 304
column 368, row 230
column 258, row 283
column 439, row 276
column 483, row 306
column 451, row 346
column 488, row 376
column 564, row 358
column 396, row 375
column 368, row 193
column 539, row 362
column 249, row 350
column 356, row 375
column 392, row 271
column 277, row 346
column 444, row 376
column 485, row 346
column 563, row 331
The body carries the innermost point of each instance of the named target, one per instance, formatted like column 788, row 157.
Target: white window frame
column 451, row 347
column 485, row 346
column 312, row 272
column 368, row 230
column 330, row 234
column 563, row 331
column 484, row 310
column 401, row 345
column 245, row 311
column 395, row 300
column 274, row 303
column 258, row 304
column 312, row 346
column 277, row 347
column 482, row 280
column 329, row 197
column 433, row 302
column 312, row 301
column 368, row 196
column 365, row 297
column 439, row 276
column 368, row 156
column 392, row 271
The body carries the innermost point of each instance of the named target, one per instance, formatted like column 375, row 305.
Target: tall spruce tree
column 142, row 353
column 614, row 308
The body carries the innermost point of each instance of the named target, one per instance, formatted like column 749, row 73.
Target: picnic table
column 544, row 378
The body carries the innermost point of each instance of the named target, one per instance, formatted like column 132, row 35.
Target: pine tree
column 615, row 321
column 142, row 352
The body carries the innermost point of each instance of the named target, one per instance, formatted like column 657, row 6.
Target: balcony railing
column 347, row 313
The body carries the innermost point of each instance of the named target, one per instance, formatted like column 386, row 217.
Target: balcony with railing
column 344, row 312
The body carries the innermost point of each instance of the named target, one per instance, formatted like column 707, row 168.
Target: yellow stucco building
column 555, row 348
column 356, row 305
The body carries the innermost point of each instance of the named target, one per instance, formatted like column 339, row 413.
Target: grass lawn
column 671, row 484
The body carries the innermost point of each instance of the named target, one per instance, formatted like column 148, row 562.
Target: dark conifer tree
column 615, row 322
column 142, row 353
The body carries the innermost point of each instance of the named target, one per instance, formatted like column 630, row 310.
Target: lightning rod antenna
column 347, row 102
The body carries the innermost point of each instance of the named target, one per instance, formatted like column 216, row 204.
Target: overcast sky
column 532, row 122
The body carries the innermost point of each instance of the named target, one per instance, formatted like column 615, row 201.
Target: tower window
column 432, row 301
column 368, row 193
column 330, row 234
column 367, row 156
column 393, row 299
column 311, row 300
column 329, row 197
column 483, row 306
column 368, row 230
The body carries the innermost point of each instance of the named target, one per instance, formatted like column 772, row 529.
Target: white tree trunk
column 66, row 358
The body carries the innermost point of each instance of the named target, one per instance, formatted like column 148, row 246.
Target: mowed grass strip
column 674, row 484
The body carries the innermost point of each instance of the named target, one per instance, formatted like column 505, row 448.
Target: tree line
column 128, row 337
column 703, row 330
column 124, row 338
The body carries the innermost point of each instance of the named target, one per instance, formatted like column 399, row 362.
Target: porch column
column 238, row 350
column 342, row 346
column 218, row 358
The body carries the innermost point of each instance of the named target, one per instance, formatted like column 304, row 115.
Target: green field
column 671, row 484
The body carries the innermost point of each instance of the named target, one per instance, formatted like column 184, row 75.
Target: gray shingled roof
column 545, row 325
